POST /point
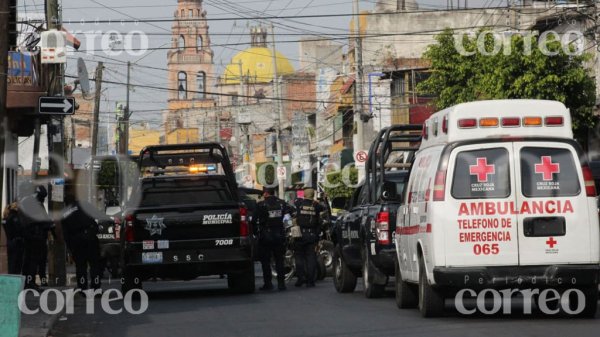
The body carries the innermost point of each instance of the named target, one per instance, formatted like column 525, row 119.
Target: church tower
column 190, row 64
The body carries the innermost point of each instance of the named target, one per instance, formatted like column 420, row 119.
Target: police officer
column 271, row 237
column 14, row 238
column 308, row 217
column 41, row 193
column 36, row 224
column 80, row 231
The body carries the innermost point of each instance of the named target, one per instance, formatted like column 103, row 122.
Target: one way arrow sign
column 57, row 106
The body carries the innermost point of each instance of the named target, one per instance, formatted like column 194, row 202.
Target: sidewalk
column 40, row 323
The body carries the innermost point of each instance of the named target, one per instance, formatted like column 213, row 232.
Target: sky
column 231, row 29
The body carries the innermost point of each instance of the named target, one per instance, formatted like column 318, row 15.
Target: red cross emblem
column 547, row 168
column 551, row 242
column 482, row 170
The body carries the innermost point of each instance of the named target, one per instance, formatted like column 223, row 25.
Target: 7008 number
column 227, row 242
column 486, row 249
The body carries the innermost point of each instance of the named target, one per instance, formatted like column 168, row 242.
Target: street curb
column 47, row 326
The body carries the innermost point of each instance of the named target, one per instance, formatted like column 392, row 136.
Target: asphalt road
column 204, row 307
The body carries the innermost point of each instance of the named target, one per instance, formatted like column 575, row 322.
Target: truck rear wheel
column 344, row 279
column 406, row 294
column 243, row 283
column 371, row 289
column 431, row 303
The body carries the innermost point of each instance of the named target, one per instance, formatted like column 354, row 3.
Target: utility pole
column 56, row 251
column 124, row 121
column 4, row 37
column 99, row 70
column 358, row 139
column 277, row 104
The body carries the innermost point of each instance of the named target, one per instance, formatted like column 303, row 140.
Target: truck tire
column 130, row 281
column 406, row 296
column 242, row 283
column 321, row 269
column 344, row 279
column 371, row 289
column 431, row 303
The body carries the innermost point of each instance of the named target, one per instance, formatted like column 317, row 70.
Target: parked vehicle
column 363, row 234
column 185, row 219
column 499, row 196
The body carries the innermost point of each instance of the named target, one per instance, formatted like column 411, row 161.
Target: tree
column 523, row 67
column 337, row 187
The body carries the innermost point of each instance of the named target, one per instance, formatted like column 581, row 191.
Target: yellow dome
column 257, row 64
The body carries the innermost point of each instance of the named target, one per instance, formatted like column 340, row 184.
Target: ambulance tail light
column 244, row 229
column 382, row 225
column 488, row 122
column 467, row 123
column 129, row 219
column 425, row 132
column 532, row 121
column 590, row 186
column 511, row 121
column 439, row 186
column 445, row 124
column 554, row 121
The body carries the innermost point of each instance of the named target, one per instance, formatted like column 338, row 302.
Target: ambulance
column 499, row 196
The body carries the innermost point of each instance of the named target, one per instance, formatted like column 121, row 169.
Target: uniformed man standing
column 271, row 237
column 80, row 232
column 36, row 224
column 309, row 219
column 14, row 238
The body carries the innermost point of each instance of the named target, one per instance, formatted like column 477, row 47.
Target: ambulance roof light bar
column 529, row 121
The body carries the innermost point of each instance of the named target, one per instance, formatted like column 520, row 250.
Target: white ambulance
column 499, row 196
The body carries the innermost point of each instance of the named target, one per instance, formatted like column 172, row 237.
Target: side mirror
column 339, row 202
column 389, row 191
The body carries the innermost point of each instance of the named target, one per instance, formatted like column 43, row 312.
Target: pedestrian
column 308, row 218
column 35, row 223
column 271, row 237
column 41, row 193
column 14, row 238
column 80, row 231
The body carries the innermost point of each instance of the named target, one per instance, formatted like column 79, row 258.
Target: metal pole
column 277, row 102
column 4, row 38
column 57, row 250
column 99, row 70
column 358, row 138
column 126, row 115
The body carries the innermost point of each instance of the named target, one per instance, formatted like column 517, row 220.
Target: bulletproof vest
column 275, row 209
column 307, row 214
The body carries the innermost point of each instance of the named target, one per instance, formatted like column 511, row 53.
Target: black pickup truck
column 363, row 234
column 185, row 219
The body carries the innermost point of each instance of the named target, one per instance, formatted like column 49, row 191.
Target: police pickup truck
column 363, row 233
column 185, row 219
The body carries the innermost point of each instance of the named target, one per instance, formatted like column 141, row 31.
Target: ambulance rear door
column 553, row 206
column 479, row 227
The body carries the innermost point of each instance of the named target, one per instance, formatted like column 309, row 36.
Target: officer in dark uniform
column 14, row 239
column 41, row 193
column 271, row 236
column 36, row 224
column 308, row 217
column 80, row 231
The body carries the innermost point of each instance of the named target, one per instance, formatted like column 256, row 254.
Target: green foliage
column 510, row 73
column 341, row 188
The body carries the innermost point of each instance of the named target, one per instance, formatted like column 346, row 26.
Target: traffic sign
column 281, row 172
column 360, row 157
column 57, row 105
